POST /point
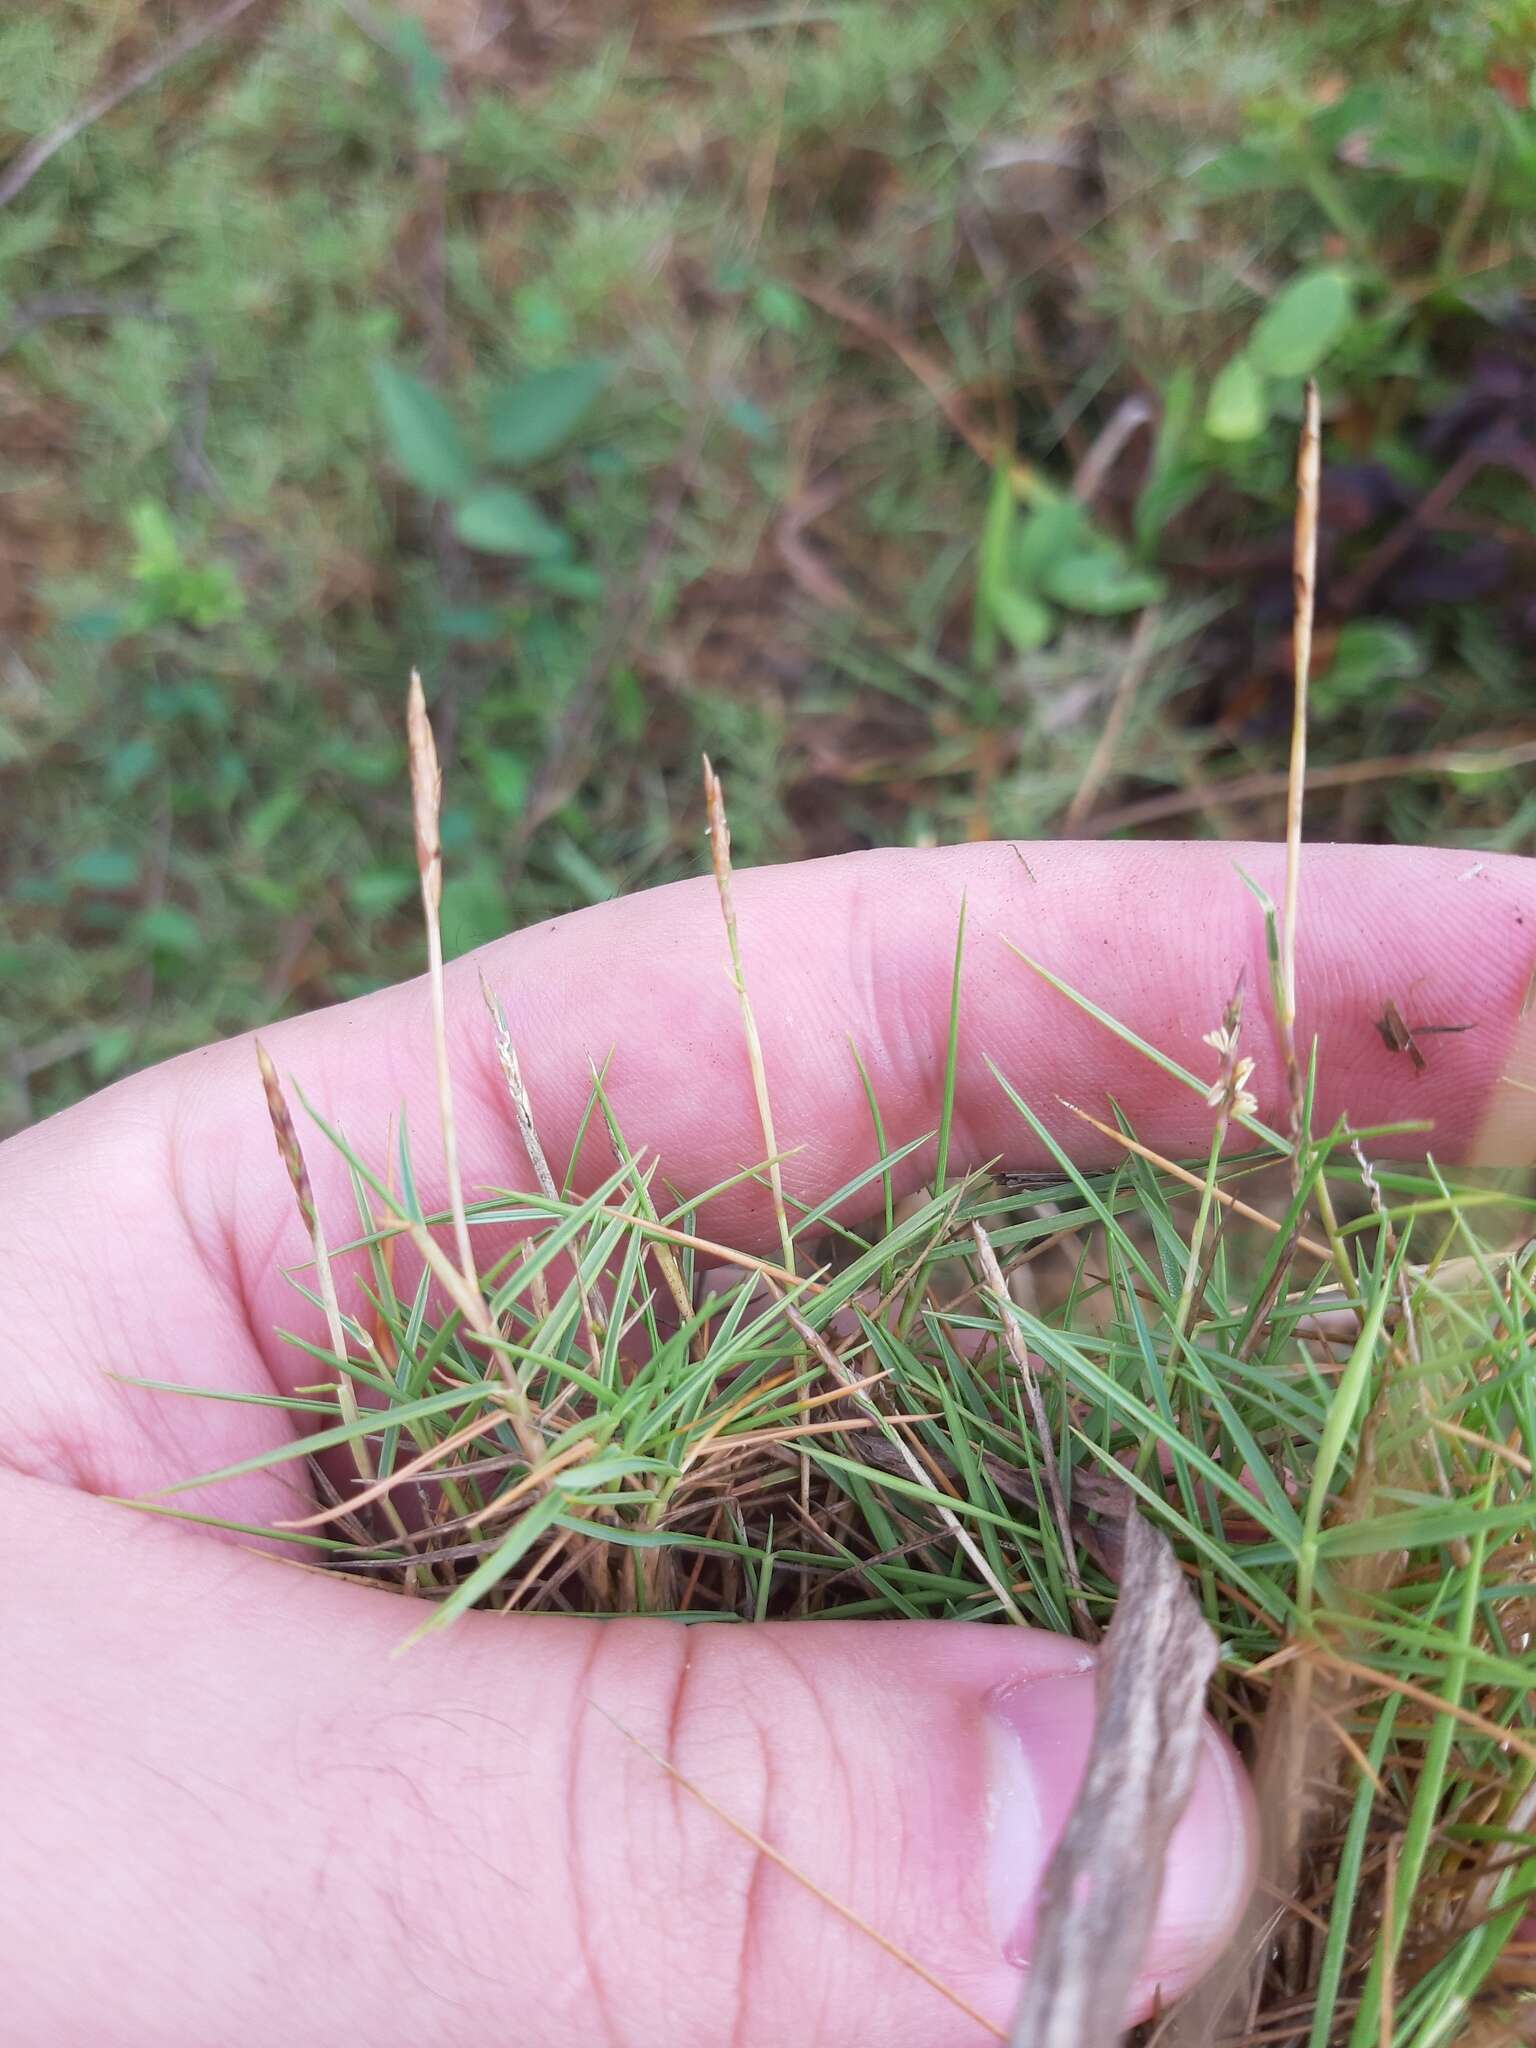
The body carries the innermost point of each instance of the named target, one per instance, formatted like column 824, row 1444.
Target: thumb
column 906, row 1783
column 310, row 1835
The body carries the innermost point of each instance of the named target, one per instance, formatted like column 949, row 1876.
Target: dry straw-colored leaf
column 1101, row 1886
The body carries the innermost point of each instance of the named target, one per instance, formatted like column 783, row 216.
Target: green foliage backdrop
column 830, row 385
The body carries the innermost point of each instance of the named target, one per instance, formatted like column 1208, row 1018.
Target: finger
column 464, row 1841
column 860, row 951
column 178, row 1213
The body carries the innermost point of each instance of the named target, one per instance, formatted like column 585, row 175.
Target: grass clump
column 602, row 1410
column 1347, row 1477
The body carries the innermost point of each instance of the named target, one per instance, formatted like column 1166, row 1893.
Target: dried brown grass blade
column 431, row 1459
column 935, row 380
column 517, row 1090
column 1479, row 753
column 1023, row 1365
column 1193, row 1180
column 426, row 804
column 1386, row 2028
column 720, row 857
column 1304, row 568
column 292, row 1155
column 1432, row 1703
column 522, row 1109
column 1101, row 1886
column 727, row 1254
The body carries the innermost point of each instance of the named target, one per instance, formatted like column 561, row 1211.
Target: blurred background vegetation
column 899, row 399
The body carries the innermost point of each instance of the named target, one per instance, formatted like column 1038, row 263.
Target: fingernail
column 1038, row 1733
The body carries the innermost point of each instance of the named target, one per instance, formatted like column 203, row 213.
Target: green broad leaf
column 749, row 418
column 501, row 521
column 996, row 534
column 474, row 909
column 466, row 622
column 268, row 818
column 542, row 316
column 130, row 763
column 375, row 892
column 1162, row 499
column 1047, row 534
column 538, row 414
column 1248, row 167
column 1025, row 622
column 576, row 580
column 424, row 439
column 166, row 928
column 157, row 551
column 992, row 565
column 35, row 889
column 107, row 622
column 1238, row 406
column 426, row 71
column 198, row 701
column 112, row 868
column 1301, row 326
column 1102, row 582
column 457, row 829
column 203, row 597
column 278, row 897
column 626, row 701
column 1369, row 653
column 777, row 306
column 1359, row 108
column 1175, row 475
column 505, row 776
column 581, row 871
column 109, row 1051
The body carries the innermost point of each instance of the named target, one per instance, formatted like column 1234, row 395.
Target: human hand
column 233, row 1817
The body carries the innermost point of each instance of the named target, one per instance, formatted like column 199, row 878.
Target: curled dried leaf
column 1101, row 1885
